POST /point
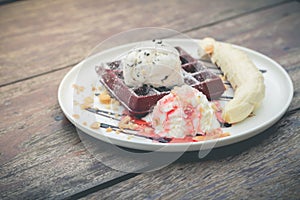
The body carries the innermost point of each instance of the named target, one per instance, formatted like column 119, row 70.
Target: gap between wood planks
column 293, row 111
column 3, row 2
column 184, row 31
column 239, row 15
column 40, row 74
column 102, row 186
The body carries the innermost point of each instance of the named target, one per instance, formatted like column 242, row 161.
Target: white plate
column 279, row 93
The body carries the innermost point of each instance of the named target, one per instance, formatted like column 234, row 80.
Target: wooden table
column 42, row 156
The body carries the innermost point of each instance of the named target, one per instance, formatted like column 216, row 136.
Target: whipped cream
column 153, row 63
column 184, row 112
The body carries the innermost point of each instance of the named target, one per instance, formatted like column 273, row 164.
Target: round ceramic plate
column 80, row 85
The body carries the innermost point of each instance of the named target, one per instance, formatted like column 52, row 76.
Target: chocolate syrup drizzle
column 116, row 128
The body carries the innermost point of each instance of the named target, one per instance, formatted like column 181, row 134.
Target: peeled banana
column 246, row 80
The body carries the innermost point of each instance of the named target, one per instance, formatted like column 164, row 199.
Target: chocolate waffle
column 140, row 101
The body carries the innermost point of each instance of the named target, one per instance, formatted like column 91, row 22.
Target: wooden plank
column 263, row 167
column 55, row 166
column 276, row 39
column 41, row 153
column 40, row 36
column 24, row 104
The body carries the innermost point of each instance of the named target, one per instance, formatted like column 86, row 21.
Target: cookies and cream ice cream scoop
column 153, row 63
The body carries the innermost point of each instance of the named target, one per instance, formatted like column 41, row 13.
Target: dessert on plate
column 184, row 112
column 146, row 74
column 178, row 90
column 153, row 64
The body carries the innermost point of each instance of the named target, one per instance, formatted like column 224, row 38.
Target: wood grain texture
column 274, row 31
column 41, row 153
column 263, row 167
column 40, row 36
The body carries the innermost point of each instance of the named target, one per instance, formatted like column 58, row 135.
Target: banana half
column 246, row 80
